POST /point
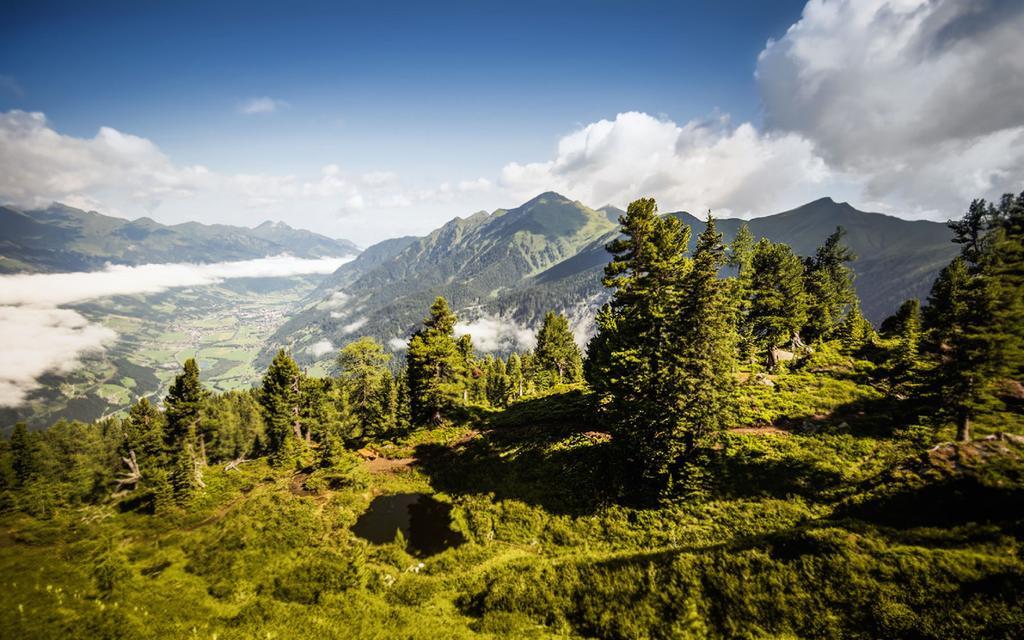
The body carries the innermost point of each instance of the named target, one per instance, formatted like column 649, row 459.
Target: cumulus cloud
column 321, row 348
column 912, row 106
column 261, row 105
column 119, row 173
column 493, row 333
column 919, row 99
column 39, row 166
column 695, row 166
column 37, row 336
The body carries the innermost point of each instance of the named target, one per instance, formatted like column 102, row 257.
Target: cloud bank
column 910, row 106
column 37, row 336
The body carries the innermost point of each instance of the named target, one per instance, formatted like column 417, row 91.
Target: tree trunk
column 963, row 427
column 202, row 449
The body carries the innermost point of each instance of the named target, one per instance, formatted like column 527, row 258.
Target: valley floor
column 831, row 523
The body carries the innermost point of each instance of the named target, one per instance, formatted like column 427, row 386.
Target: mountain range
column 511, row 266
column 63, row 238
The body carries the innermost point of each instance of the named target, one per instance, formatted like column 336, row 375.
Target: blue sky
column 397, row 100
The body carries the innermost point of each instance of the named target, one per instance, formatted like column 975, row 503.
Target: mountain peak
column 547, row 196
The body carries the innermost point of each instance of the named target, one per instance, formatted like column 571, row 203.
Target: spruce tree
column 144, row 432
column 187, row 476
column 498, row 384
column 973, row 319
column 740, row 258
column 183, row 405
column 556, row 350
column 779, row 303
column 904, row 364
column 23, row 458
column 281, row 400
column 434, row 364
column 706, row 348
column 630, row 362
column 829, row 285
column 516, row 379
column 363, row 371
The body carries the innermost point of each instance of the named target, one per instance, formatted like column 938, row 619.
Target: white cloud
column 920, row 100
column 38, row 340
column 321, row 348
column 262, row 105
column 695, row 166
column 122, row 174
column 335, row 300
column 37, row 336
column 54, row 289
column 493, row 333
column 354, row 326
column 39, row 166
column 911, row 106
column 398, row 344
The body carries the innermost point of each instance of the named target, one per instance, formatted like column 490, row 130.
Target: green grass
column 816, row 532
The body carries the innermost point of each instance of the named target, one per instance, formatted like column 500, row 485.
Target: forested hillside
column 548, row 254
column 737, row 453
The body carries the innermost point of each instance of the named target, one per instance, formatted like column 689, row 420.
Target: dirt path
column 386, row 465
column 760, row 431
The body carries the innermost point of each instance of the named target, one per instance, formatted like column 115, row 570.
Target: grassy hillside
column 821, row 517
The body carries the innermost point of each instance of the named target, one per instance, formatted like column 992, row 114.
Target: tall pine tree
column 631, row 366
column 434, row 366
column 706, row 347
column 556, row 350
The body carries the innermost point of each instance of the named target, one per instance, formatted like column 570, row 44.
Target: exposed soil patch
column 298, row 485
column 385, row 465
column 760, row 431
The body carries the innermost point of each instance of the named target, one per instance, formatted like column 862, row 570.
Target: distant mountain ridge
column 63, row 238
column 549, row 253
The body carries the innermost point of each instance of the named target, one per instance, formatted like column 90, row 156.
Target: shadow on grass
column 542, row 451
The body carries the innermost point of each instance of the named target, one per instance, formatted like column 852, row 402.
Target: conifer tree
column 363, row 372
column 403, row 417
column 22, row 454
column 498, row 386
column 516, row 380
column 433, row 362
column 740, row 258
column 187, row 476
column 144, row 432
column 281, row 400
column 855, row 330
column 973, row 318
column 706, row 348
column 904, row 364
column 556, row 350
column 779, row 304
column 630, row 364
column 183, row 404
column 829, row 285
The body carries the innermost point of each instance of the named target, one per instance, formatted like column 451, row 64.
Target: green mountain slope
column 62, row 238
column 472, row 261
column 549, row 254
